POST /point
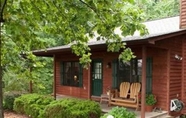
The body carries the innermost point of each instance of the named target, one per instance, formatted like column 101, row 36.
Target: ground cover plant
column 119, row 112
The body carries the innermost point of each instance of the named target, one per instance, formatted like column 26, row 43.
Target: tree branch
column 88, row 5
column 37, row 8
column 93, row 9
column 1, row 11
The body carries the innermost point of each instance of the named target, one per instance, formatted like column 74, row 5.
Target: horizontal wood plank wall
column 183, row 14
column 184, row 74
column 83, row 92
column 80, row 92
column 175, row 89
column 161, row 77
column 159, row 88
column 159, row 73
column 175, row 68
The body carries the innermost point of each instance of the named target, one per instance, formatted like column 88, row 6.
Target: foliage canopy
column 74, row 22
column 40, row 24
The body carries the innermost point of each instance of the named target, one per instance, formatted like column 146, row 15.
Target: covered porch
column 105, row 109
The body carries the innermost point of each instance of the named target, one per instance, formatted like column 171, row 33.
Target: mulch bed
column 11, row 114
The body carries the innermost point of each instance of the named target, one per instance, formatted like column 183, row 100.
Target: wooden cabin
column 160, row 65
column 165, row 72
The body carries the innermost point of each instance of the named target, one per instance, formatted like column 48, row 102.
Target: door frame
column 91, row 75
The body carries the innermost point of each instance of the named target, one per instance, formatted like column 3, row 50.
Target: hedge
column 31, row 104
column 72, row 108
column 41, row 106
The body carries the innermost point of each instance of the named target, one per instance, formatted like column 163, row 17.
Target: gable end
column 183, row 14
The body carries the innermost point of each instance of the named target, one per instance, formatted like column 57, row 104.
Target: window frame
column 149, row 66
column 132, row 68
column 72, row 80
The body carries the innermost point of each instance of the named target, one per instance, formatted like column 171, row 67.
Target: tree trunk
column 1, row 76
column 2, row 6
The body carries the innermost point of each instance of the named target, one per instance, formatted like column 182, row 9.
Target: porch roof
column 158, row 30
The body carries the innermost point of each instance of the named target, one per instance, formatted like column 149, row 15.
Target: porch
column 155, row 114
column 105, row 109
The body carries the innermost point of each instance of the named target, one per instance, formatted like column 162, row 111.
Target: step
column 164, row 116
column 95, row 98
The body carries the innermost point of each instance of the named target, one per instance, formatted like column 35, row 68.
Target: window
column 131, row 72
column 98, row 70
column 71, row 74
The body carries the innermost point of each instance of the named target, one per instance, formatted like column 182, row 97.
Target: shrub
column 31, row 104
column 72, row 108
column 8, row 100
column 119, row 112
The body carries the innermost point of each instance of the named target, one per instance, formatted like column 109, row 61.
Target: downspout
column 144, row 56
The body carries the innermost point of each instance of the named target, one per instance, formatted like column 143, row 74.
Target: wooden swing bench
column 127, row 97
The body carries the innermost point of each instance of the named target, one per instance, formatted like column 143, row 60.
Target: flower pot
column 149, row 108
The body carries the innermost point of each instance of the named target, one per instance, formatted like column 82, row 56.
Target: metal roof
column 155, row 28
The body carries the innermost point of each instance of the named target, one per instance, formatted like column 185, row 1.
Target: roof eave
column 145, row 40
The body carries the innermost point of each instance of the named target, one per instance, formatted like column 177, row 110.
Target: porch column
column 89, row 83
column 30, row 83
column 54, row 83
column 144, row 56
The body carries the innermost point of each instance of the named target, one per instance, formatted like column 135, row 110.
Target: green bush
column 8, row 100
column 40, row 106
column 119, row 112
column 31, row 104
column 72, row 108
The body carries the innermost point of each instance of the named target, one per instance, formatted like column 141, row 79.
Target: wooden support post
column 89, row 83
column 54, row 83
column 31, row 86
column 144, row 56
column 30, row 83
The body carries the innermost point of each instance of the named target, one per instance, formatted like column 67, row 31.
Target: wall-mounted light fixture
column 177, row 57
column 108, row 65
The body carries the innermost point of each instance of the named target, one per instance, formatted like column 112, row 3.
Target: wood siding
column 160, row 77
column 184, row 73
column 183, row 14
column 175, row 81
column 174, row 70
column 168, row 81
column 159, row 73
column 80, row 92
